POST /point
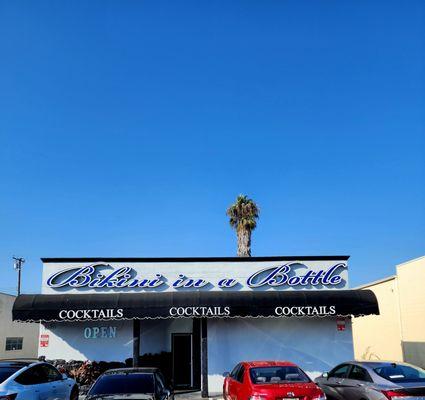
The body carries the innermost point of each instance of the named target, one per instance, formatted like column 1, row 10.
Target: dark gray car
column 131, row 384
column 373, row 380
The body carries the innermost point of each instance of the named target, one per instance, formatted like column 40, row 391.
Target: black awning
column 80, row 307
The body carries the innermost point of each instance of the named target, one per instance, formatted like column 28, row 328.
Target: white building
column 197, row 317
column 17, row 340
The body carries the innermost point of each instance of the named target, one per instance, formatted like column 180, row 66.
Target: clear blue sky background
column 128, row 127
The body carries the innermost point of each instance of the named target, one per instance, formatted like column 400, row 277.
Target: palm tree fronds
column 243, row 215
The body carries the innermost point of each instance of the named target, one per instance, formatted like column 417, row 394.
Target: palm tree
column 243, row 216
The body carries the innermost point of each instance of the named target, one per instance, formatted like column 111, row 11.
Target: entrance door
column 182, row 359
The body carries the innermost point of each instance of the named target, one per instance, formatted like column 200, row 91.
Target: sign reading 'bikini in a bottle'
column 104, row 276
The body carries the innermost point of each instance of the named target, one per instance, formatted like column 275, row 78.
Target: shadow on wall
column 414, row 353
column 314, row 344
column 369, row 355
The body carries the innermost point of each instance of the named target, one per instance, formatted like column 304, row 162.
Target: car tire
column 74, row 393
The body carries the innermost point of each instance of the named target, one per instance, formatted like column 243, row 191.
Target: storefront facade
column 197, row 317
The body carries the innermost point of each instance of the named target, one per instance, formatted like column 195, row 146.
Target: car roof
column 124, row 371
column 253, row 364
column 15, row 364
column 377, row 364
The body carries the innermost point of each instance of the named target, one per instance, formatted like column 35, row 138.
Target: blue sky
column 128, row 127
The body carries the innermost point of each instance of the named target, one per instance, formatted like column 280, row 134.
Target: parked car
column 134, row 383
column 373, row 380
column 263, row 380
column 29, row 380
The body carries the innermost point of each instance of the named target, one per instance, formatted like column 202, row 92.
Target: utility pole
column 19, row 261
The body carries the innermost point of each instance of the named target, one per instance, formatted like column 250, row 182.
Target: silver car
column 373, row 380
column 29, row 380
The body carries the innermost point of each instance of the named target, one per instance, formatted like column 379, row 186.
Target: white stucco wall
column 27, row 331
column 314, row 344
column 67, row 341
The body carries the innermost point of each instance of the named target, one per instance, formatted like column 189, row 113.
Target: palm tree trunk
column 244, row 242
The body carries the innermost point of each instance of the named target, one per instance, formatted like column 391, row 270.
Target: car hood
column 282, row 389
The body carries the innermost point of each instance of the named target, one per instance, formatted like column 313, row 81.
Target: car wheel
column 74, row 393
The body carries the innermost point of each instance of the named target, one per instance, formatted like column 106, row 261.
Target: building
column 398, row 332
column 197, row 317
column 16, row 340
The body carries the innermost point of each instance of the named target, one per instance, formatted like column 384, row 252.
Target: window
column 159, row 384
column 359, row 374
column 239, row 376
column 401, row 373
column 6, row 372
column 136, row 383
column 340, row 371
column 14, row 343
column 277, row 374
column 162, row 379
column 235, row 371
column 32, row 376
column 51, row 373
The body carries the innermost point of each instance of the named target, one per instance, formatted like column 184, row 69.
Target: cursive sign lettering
column 284, row 275
column 86, row 276
column 104, row 276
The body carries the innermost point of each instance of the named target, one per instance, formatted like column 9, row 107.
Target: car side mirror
column 226, row 374
column 167, row 393
column 325, row 375
column 64, row 376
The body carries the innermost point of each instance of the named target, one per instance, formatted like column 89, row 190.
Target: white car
column 26, row 380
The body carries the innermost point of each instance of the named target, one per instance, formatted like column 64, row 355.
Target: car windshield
column 401, row 373
column 5, row 372
column 123, row 383
column 276, row 374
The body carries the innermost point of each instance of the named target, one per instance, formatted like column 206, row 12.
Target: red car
column 270, row 380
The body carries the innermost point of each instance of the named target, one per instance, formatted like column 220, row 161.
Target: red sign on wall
column 340, row 324
column 44, row 340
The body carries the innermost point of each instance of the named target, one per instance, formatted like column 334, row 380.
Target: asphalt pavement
column 193, row 396
column 180, row 396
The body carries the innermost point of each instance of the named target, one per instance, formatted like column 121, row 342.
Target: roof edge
column 377, row 282
column 7, row 294
column 410, row 261
column 192, row 259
